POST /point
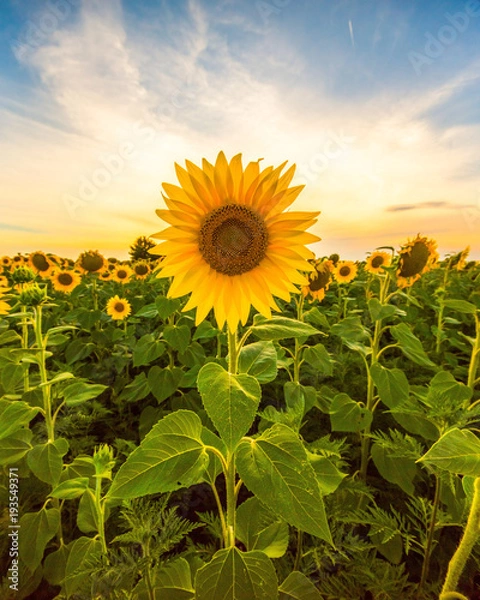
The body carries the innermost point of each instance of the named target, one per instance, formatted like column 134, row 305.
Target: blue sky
column 375, row 101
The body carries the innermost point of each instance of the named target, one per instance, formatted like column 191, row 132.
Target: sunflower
column 91, row 261
column 65, row 281
column 230, row 245
column 5, row 261
column 4, row 306
column 118, row 308
column 416, row 257
column 377, row 261
column 319, row 280
column 18, row 260
column 3, row 282
column 105, row 275
column 345, row 271
column 40, row 263
column 122, row 273
column 141, row 269
column 458, row 261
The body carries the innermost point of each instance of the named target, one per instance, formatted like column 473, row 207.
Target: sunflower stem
column 232, row 352
column 430, row 535
column 231, row 500
column 475, row 356
column 26, row 366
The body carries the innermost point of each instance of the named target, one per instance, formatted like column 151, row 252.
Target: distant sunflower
column 122, row 274
column 65, row 281
column 5, row 261
column 319, row 280
column 377, row 261
column 141, row 269
column 3, row 282
column 230, row 245
column 105, row 275
column 345, row 271
column 416, row 257
column 118, row 308
column 40, row 263
column 458, row 261
column 91, row 261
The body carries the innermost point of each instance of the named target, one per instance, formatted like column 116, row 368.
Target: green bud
column 22, row 275
column 32, row 295
column 103, row 461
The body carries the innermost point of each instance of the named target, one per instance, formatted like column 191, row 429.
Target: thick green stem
column 232, row 352
column 100, row 514
column 26, row 366
column 471, row 535
column 475, row 357
column 46, row 389
column 439, row 328
column 231, row 501
column 431, row 533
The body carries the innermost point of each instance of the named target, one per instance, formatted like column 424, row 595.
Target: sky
column 377, row 102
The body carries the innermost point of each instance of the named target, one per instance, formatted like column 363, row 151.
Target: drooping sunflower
column 229, row 244
column 345, row 271
column 141, row 269
column 118, row 308
column 40, row 263
column 65, row 281
column 122, row 273
column 319, row 280
column 5, row 262
column 91, row 261
column 416, row 257
column 377, row 261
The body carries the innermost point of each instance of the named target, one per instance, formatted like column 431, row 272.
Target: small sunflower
column 141, row 269
column 319, row 280
column 18, row 260
column 105, row 275
column 6, row 262
column 118, row 308
column 345, row 271
column 377, row 261
column 65, row 281
column 40, row 263
column 3, row 282
column 122, row 273
column 91, row 261
column 230, row 244
column 416, row 257
column 458, row 261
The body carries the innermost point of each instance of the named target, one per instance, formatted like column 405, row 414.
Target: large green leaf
column 350, row 329
column 36, row 530
column 457, row 451
column 259, row 360
column 410, row 345
column 178, row 336
column 392, row 385
column 10, row 376
column 318, row 357
column 298, row 587
column 80, row 391
column 15, row 446
column 83, row 551
column 328, row 476
column 380, row 311
column 235, row 575
column 70, row 489
column 348, row 415
column 170, row 582
column 166, row 307
column 260, row 529
column 444, row 390
column 278, row 328
column 46, row 460
column 400, row 470
column 164, row 382
column 14, row 415
column 172, row 455
column 231, row 401
column 461, row 306
column 275, row 467
column 55, row 564
column 147, row 349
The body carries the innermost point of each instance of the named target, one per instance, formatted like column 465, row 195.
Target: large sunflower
column 65, row 281
column 118, row 308
column 377, row 261
column 40, row 263
column 416, row 257
column 345, row 271
column 230, row 245
column 319, row 280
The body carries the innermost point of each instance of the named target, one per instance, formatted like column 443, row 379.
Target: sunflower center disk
column 233, row 239
column 119, row 307
column 377, row 262
column 345, row 271
column 65, row 278
column 415, row 261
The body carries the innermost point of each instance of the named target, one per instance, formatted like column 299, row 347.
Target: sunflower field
column 231, row 417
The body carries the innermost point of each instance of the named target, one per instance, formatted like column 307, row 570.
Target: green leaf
column 172, row 455
column 149, row 311
column 46, row 460
column 77, row 572
column 136, row 390
column 87, row 518
column 36, row 530
column 461, row 306
column 275, row 467
column 70, row 489
column 328, row 476
column 444, row 390
column 348, row 415
column 164, row 382
column 298, row 587
column 174, row 581
column 78, row 392
column 54, row 565
column 279, row 328
column 380, row 311
column 9, row 336
column 147, row 349
column 15, row 446
column 457, row 451
column 410, row 345
column 400, row 470
column 231, row 401
column 78, row 349
column 350, row 329
column 166, row 307
column 14, row 415
column 235, row 575
column 259, row 360
column 318, row 357
column 260, row 529
column 178, row 336
column 392, row 385
column 11, row 376
column 205, row 331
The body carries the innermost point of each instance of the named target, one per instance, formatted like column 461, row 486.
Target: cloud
column 428, row 205
column 9, row 227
